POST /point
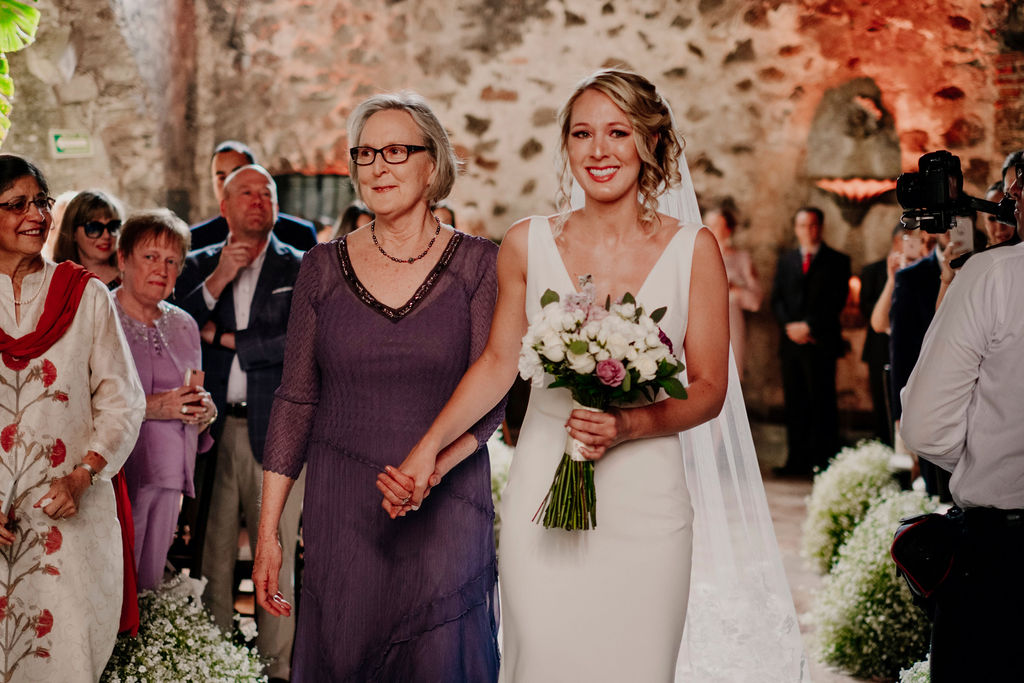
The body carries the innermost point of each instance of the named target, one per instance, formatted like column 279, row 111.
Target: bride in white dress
column 609, row 604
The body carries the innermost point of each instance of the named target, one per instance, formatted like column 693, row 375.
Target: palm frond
column 18, row 24
column 6, row 91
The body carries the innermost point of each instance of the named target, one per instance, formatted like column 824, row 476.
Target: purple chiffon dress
column 412, row 599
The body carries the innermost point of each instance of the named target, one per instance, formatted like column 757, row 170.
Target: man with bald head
column 240, row 291
column 229, row 156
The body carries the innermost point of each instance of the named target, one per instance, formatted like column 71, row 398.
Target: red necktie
column 807, row 262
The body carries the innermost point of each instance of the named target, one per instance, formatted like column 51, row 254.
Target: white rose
column 631, row 353
column 627, row 311
column 653, row 341
column 552, row 348
column 646, row 365
column 601, row 354
column 617, row 345
column 583, row 364
column 530, row 368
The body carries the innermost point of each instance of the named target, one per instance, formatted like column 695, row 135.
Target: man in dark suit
column 228, row 157
column 876, row 344
column 915, row 290
column 809, row 293
column 239, row 292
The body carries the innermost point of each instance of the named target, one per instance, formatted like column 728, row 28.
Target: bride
column 609, row 604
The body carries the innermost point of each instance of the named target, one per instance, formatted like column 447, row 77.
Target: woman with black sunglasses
column 88, row 234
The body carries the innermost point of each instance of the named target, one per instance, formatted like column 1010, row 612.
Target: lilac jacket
column 165, row 454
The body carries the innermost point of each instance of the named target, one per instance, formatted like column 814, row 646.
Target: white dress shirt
column 963, row 408
column 244, row 286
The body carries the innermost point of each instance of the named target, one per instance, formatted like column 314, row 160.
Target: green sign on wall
column 70, row 143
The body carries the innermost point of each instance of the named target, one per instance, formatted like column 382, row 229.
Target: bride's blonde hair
column 657, row 142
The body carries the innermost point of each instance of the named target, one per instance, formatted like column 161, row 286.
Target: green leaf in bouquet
column 627, row 382
column 672, row 386
column 549, row 296
column 579, row 347
column 658, row 314
column 627, row 298
column 608, row 303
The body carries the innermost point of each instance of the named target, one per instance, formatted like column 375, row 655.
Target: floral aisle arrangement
column 868, row 624
column 607, row 355
column 178, row 641
column 840, row 497
column 918, row 673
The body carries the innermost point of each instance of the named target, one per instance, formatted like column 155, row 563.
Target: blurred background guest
column 355, row 216
column 164, row 341
column 228, row 157
column 445, row 213
column 745, row 291
column 88, row 234
column 995, row 231
column 876, row 343
column 60, row 205
column 67, row 374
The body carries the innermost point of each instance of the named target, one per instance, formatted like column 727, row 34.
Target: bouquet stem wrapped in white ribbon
column 607, row 355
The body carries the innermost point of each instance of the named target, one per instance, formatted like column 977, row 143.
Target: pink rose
column 611, row 372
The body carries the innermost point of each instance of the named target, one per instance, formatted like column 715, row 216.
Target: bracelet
column 93, row 474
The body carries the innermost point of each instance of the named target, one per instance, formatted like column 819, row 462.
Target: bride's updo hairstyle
column 654, row 134
column 435, row 138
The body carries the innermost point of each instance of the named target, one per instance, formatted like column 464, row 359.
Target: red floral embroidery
column 51, row 570
column 7, row 436
column 54, row 539
column 58, row 453
column 44, row 623
column 13, row 362
column 60, row 396
column 42, row 652
column 49, row 373
column 3, row 606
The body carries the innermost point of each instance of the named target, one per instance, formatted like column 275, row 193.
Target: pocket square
column 281, row 290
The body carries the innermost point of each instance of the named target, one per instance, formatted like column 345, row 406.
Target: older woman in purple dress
column 384, row 322
column 164, row 341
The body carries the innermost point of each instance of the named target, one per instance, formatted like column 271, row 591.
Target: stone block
column 965, row 132
column 81, row 88
column 544, row 116
column 530, row 149
column 492, row 94
column 476, row 125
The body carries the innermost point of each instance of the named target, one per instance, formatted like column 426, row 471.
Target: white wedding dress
column 610, row 604
column 606, row 604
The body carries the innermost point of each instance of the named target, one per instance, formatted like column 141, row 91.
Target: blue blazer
column 260, row 347
column 913, row 307
column 297, row 232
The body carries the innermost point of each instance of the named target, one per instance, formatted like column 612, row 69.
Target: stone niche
column 770, row 96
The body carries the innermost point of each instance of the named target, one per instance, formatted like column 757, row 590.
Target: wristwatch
column 90, row 469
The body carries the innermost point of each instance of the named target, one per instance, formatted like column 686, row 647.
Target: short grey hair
column 435, row 138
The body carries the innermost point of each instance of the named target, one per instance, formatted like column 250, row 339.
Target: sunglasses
column 94, row 229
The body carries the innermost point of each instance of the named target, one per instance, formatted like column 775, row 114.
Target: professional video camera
column 933, row 198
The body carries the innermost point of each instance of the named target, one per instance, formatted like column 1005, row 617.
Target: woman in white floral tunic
column 70, row 409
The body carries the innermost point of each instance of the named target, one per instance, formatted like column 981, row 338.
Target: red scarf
column 62, row 299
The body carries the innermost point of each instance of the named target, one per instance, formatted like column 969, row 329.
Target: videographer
column 962, row 411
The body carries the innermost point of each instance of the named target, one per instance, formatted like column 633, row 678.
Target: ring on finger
column 184, row 410
column 405, row 500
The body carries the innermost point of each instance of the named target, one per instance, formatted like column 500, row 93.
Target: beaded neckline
column 395, row 314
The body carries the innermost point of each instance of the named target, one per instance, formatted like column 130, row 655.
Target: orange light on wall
column 856, row 190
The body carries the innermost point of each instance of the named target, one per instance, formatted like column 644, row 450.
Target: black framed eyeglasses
column 392, row 154
column 21, row 204
column 94, row 229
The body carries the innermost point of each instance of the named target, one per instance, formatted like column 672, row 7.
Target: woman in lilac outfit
column 384, row 322
column 164, row 341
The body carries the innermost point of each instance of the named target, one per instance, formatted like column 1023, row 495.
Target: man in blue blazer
column 229, row 156
column 809, row 293
column 240, row 292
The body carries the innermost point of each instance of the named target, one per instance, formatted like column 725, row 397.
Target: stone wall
column 771, row 97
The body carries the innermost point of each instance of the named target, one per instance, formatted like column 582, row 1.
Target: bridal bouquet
column 606, row 355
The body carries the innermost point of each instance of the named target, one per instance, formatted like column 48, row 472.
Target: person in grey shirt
column 962, row 411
